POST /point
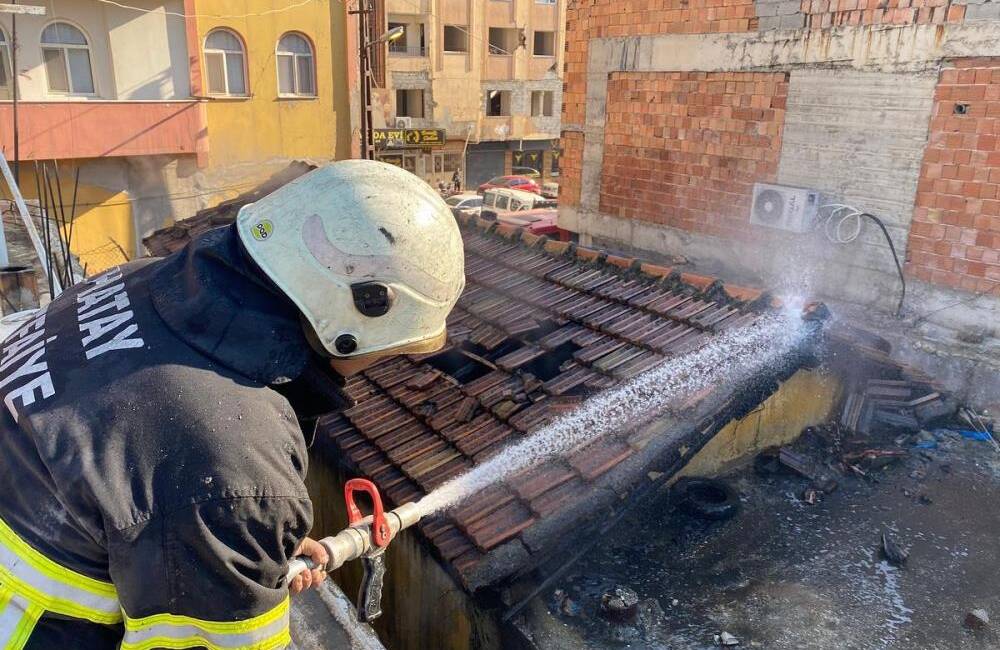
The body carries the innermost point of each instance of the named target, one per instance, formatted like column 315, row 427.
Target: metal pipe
column 14, row 45
column 355, row 541
column 55, row 288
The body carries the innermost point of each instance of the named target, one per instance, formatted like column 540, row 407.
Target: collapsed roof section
column 541, row 325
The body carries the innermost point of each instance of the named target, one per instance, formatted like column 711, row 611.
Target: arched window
column 296, row 74
column 225, row 63
column 5, row 72
column 66, row 55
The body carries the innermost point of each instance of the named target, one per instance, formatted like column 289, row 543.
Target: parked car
column 467, row 202
column 550, row 190
column 500, row 201
column 540, row 221
column 530, row 172
column 511, row 182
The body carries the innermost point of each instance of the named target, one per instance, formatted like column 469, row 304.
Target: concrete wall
column 134, row 55
column 859, row 137
column 858, row 117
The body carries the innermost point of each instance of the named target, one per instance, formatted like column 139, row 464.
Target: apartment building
column 485, row 74
column 168, row 106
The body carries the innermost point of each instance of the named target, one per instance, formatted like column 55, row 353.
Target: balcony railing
column 407, row 50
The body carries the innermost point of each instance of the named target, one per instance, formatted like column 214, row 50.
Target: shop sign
column 405, row 138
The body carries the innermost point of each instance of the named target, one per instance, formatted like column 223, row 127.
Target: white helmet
column 369, row 253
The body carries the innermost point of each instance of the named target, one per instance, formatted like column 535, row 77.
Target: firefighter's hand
column 306, row 579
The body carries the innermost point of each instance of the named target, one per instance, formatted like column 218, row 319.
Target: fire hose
column 365, row 538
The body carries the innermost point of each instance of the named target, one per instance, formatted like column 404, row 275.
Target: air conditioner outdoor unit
column 404, row 122
column 794, row 209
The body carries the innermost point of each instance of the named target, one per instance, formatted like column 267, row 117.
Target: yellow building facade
column 256, row 126
column 184, row 103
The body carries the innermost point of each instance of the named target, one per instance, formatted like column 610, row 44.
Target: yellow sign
column 403, row 138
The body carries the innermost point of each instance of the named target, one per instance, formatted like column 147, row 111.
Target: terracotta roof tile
column 595, row 459
column 500, row 525
column 556, row 498
column 535, row 482
column 537, row 330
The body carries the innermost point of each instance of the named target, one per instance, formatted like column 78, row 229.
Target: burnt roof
column 541, row 325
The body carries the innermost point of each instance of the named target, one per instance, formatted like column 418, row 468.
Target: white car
column 467, row 202
column 501, row 200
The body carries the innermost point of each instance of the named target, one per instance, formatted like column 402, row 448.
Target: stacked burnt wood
column 883, row 393
column 902, row 404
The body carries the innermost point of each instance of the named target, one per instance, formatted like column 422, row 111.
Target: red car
column 541, row 221
column 511, row 182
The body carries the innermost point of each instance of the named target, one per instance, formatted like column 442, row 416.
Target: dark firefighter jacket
column 151, row 480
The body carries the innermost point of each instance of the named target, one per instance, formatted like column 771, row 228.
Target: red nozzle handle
column 380, row 529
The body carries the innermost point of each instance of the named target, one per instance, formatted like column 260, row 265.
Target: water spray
column 731, row 357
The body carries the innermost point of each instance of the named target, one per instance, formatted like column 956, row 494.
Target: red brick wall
column 683, row 149
column 570, row 168
column 587, row 19
column 955, row 234
column 831, row 13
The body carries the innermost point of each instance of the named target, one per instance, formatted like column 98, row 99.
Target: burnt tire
column 705, row 498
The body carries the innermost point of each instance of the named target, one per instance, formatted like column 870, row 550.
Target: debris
column 932, row 406
column 874, row 458
column 977, row 619
column 725, row 639
column 826, row 485
column 892, row 551
column 797, row 462
column 563, row 604
column 467, row 409
column 981, row 436
column 925, row 500
column 905, row 404
column 705, row 498
column 766, row 463
column 619, row 605
column 812, row 496
column 978, row 424
column 423, row 380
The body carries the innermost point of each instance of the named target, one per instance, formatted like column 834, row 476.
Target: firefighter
column 151, row 464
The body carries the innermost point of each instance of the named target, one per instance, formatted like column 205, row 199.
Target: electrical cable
column 895, row 258
column 841, row 214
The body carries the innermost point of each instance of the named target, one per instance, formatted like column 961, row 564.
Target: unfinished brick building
column 673, row 109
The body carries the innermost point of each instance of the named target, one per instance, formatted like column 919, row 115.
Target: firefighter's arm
column 210, row 574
